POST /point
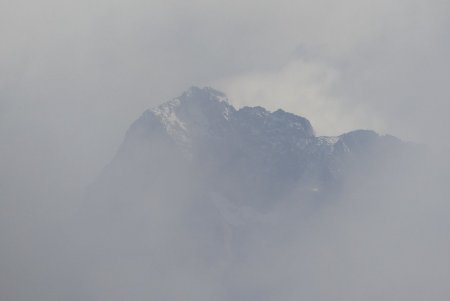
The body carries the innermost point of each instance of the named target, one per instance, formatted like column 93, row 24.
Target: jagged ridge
column 249, row 153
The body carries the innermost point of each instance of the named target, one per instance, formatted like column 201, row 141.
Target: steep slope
column 209, row 202
column 249, row 155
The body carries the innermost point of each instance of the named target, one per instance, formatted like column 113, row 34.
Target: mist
column 75, row 76
column 383, row 234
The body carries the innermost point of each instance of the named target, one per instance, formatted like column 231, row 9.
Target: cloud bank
column 75, row 75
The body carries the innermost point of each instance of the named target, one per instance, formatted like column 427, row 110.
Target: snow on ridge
column 327, row 140
column 226, row 113
column 166, row 113
column 204, row 93
column 200, row 110
column 177, row 118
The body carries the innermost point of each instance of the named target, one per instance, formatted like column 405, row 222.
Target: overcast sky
column 74, row 75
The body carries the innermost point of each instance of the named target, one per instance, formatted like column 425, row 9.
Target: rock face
column 249, row 155
column 207, row 202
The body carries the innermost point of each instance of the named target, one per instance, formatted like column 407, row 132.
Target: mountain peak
column 206, row 112
column 250, row 153
column 195, row 104
column 205, row 94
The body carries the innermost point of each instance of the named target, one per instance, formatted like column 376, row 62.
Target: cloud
column 304, row 87
column 74, row 75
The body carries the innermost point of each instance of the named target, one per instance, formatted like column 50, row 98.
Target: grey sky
column 366, row 64
column 75, row 74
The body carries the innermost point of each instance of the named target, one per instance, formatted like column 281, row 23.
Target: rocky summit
column 247, row 155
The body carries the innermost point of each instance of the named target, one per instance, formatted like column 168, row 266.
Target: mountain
column 204, row 201
column 248, row 155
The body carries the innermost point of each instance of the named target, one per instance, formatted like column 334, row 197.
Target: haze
column 75, row 75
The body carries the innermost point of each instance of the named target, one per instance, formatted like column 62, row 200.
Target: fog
column 74, row 76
